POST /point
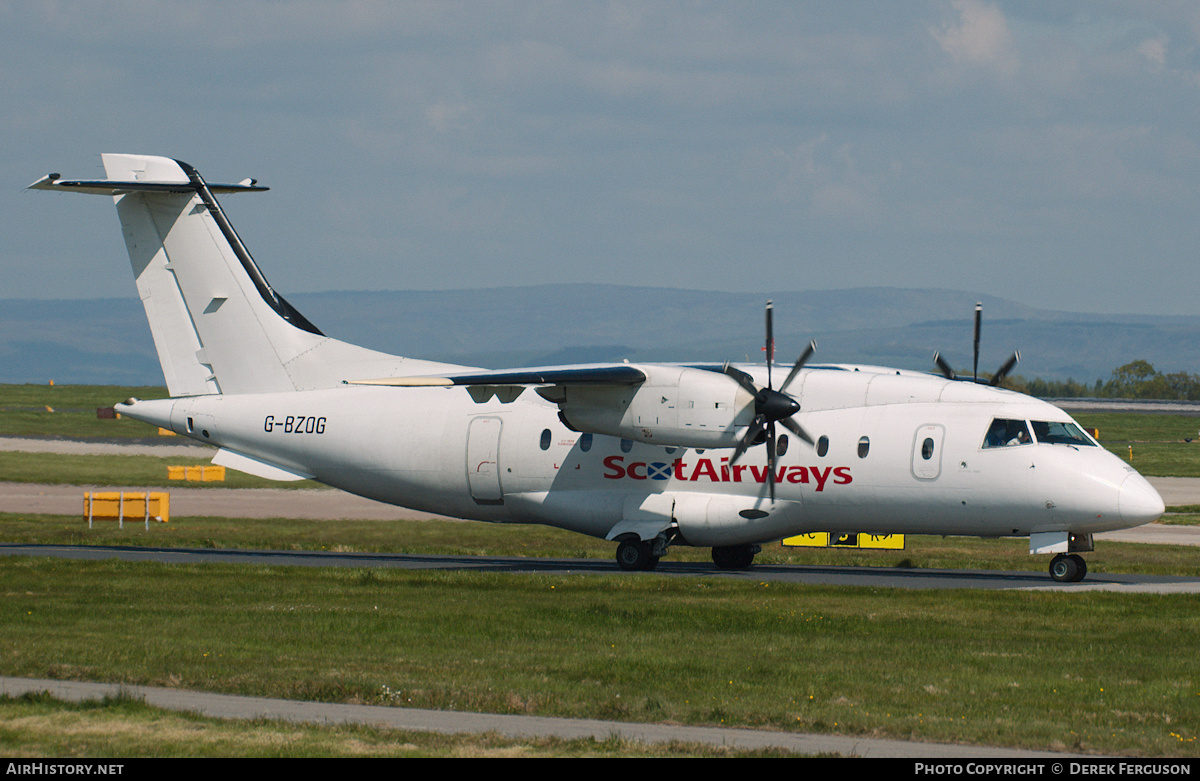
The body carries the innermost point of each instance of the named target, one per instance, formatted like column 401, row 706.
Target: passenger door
column 927, row 452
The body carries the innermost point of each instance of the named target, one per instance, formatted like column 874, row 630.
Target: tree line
column 1136, row 380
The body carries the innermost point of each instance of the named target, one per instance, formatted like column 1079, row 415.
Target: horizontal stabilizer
column 110, row 187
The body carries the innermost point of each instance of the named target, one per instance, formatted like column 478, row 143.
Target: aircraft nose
column 1138, row 501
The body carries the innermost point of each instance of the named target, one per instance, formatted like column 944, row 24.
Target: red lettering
column 705, row 469
column 704, row 466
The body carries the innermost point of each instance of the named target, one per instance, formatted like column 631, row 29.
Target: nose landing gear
column 1068, row 568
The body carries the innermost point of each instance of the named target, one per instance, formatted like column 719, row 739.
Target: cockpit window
column 1007, row 433
column 1056, row 433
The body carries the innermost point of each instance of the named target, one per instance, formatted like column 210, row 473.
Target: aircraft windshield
column 1055, row 433
column 1007, row 433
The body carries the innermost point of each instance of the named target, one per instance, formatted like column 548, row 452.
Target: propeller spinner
column 1000, row 374
column 770, row 406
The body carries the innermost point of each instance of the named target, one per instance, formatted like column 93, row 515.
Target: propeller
column 770, row 406
column 1000, row 374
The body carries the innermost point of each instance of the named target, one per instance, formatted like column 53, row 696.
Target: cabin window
column 864, row 446
column 545, row 443
column 927, row 448
column 1055, row 433
column 585, row 441
column 781, row 445
column 822, row 446
column 626, row 445
column 1007, row 433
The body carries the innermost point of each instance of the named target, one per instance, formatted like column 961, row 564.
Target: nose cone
column 1138, row 501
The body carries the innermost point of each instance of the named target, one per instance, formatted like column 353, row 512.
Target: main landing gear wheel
column 635, row 555
column 734, row 556
column 1068, row 569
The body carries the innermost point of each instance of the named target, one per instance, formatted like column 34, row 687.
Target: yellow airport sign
column 827, row 540
column 206, row 474
column 119, row 506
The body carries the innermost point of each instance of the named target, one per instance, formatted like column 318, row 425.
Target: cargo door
column 483, row 461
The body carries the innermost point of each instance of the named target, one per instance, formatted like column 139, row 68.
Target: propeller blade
column 978, row 323
column 803, row 359
column 742, row 379
column 1005, row 369
column 772, row 458
column 770, row 348
column 794, row 427
column 753, row 431
column 944, row 366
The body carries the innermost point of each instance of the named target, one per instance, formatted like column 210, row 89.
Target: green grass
column 38, row 726
column 1155, row 445
column 70, row 411
column 1093, row 672
column 1121, row 427
column 140, row 470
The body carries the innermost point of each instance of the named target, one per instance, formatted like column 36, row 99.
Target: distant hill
column 108, row 341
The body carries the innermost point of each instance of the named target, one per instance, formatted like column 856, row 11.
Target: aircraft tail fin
column 218, row 325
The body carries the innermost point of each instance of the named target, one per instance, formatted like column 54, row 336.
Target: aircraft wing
column 600, row 374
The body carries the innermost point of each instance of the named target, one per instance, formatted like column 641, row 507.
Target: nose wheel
column 1068, row 568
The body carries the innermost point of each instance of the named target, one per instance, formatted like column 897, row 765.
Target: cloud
column 981, row 37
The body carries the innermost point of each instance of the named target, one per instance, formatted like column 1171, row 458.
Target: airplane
column 646, row 455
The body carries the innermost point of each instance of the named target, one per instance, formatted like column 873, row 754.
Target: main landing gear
column 1068, row 568
column 735, row 556
column 634, row 554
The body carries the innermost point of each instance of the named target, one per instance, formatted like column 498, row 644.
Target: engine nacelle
column 675, row 406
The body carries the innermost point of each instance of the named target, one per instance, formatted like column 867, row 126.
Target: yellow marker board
column 206, row 474
column 827, row 540
column 120, row 506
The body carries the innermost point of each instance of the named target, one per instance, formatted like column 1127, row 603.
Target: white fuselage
column 897, row 452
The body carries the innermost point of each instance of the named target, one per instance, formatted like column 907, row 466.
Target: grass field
column 1096, row 672
column 70, row 411
column 1082, row 671
column 38, row 726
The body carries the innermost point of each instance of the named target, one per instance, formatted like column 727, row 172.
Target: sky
column 1045, row 152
